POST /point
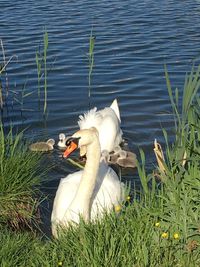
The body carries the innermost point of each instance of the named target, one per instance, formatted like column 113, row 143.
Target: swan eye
column 68, row 143
column 72, row 140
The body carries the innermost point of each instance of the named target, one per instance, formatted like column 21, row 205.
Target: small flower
column 60, row 263
column 164, row 235
column 176, row 236
column 157, row 224
column 128, row 198
column 118, row 208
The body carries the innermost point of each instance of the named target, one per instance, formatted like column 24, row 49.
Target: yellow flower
column 157, row 224
column 164, row 235
column 118, row 208
column 60, row 263
column 128, row 198
column 176, row 236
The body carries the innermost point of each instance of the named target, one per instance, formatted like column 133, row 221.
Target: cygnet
column 62, row 140
column 43, row 146
column 123, row 158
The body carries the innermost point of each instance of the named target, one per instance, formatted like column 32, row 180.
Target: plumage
column 62, row 140
column 123, row 158
column 43, row 146
column 107, row 122
column 88, row 192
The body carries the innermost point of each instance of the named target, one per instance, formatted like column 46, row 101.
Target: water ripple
column 134, row 39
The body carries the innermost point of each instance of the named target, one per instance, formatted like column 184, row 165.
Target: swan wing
column 110, row 133
column 107, row 122
column 108, row 191
column 64, row 195
column 115, row 107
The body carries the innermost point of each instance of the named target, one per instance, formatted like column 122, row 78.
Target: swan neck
column 85, row 190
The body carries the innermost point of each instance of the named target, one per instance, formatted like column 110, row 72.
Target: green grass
column 20, row 177
column 159, row 227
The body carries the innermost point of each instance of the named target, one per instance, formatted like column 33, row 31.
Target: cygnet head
column 51, row 143
column 117, row 149
column 105, row 155
column 62, row 140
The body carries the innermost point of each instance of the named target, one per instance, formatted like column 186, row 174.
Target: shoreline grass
column 158, row 227
column 20, row 178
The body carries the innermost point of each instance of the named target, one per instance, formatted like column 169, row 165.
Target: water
column 134, row 39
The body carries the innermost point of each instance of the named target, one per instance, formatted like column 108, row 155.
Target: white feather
column 107, row 122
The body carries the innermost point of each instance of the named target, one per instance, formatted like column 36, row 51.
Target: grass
column 158, row 227
column 20, row 177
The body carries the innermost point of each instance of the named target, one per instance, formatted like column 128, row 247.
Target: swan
column 89, row 192
column 107, row 122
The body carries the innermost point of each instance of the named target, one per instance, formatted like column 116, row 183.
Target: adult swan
column 107, row 122
column 89, row 192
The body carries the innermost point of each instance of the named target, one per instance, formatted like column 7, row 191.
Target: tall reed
column 91, row 63
column 41, row 62
column 3, row 72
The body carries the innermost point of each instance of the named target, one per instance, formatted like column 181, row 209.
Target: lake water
column 134, row 39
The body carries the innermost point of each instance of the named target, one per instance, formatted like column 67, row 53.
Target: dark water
column 134, row 39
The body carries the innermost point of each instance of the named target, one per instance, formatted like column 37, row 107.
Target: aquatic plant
column 41, row 62
column 3, row 72
column 91, row 62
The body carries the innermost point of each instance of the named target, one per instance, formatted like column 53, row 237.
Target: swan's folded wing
column 109, row 191
column 64, row 195
column 110, row 133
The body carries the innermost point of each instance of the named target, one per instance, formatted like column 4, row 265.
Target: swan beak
column 72, row 147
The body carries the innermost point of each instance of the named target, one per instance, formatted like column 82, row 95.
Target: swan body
column 89, row 192
column 43, row 146
column 107, row 122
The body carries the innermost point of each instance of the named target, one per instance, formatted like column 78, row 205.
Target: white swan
column 88, row 192
column 107, row 121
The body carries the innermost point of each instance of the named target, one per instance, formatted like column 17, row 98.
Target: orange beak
column 72, row 147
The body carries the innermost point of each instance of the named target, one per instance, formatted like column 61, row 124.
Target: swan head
column 81, row 139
